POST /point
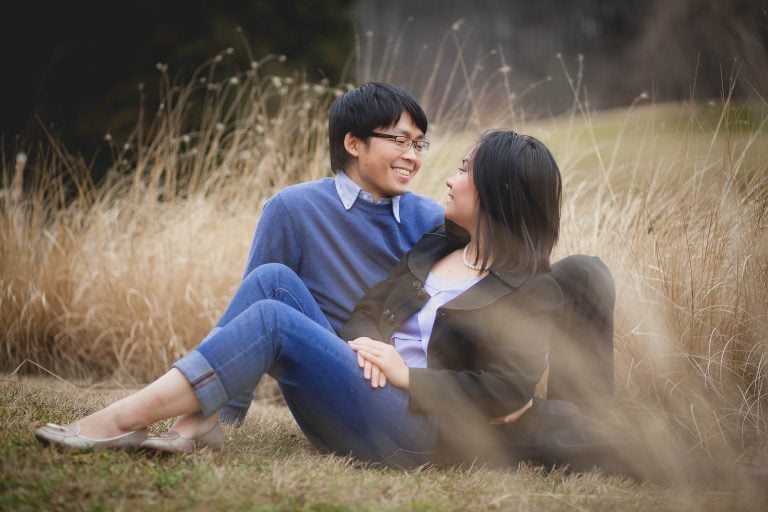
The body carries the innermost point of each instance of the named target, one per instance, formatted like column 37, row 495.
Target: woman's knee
column 585, row 278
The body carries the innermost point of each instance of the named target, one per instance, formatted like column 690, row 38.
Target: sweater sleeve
column 275, row 240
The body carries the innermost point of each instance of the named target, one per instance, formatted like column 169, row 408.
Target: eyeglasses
column 404, row 143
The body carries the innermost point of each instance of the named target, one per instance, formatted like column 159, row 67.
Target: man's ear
column 352, row 144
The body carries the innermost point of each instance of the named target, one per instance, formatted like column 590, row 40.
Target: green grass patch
column 267, row 465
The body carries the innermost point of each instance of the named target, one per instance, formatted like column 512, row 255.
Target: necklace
column 466, row 260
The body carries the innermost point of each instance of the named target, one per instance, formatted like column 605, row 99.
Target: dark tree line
column 75, row 67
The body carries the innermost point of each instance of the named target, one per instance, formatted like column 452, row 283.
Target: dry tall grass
column 674, row 198
column 118, row 280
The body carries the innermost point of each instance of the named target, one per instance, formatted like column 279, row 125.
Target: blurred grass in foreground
column 268, row 465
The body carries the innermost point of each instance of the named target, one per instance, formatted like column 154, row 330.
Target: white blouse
column 412, row 337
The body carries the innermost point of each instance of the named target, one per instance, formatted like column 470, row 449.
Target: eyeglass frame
column 411, row 143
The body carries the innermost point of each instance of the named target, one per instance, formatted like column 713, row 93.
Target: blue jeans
column 335, row 407
column 269, row 281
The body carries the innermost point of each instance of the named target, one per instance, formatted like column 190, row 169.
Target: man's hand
column 513, row 416
column 383, row 358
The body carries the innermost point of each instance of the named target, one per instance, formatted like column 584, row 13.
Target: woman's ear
column 352, row 144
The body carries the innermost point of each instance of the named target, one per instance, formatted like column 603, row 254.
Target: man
column 339, row 235
column 359, row 224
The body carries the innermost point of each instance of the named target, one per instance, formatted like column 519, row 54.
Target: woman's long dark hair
column 519, row 189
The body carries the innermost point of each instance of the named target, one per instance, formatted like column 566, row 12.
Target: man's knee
column 270, row 272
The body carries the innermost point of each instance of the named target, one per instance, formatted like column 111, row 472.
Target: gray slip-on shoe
column 173, row 442
column 69, row 436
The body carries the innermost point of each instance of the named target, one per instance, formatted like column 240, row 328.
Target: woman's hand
column 372, row 372
column 384, row 358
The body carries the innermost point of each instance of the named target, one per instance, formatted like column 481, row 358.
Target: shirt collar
column 349, row 192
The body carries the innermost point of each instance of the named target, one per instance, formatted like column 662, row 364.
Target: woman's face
column 462, row 206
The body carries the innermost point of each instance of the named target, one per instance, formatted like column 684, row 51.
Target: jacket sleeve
column 364, row 320
column 511, row 352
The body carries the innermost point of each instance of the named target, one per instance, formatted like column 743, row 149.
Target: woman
column 466, row 318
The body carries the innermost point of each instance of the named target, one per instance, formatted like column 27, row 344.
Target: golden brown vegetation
column 117, row 280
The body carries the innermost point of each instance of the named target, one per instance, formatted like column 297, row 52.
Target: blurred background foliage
column 74, row 69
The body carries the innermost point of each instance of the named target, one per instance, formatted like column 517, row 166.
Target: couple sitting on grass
column 401, row 333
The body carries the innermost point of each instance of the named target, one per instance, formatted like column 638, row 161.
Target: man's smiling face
column 382, row 168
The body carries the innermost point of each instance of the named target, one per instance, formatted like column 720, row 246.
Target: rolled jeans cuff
column 204, row 381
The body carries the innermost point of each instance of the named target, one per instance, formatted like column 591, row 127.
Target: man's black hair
column 362, row 110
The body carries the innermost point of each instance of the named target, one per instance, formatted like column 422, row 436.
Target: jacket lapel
column 490, row 289
column 428, row 250
column 433, row 246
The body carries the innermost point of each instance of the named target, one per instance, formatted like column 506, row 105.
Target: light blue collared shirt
column 349, row 191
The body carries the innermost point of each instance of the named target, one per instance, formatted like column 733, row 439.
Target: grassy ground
column 268, row 465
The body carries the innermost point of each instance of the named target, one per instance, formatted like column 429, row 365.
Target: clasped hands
column 380, row 363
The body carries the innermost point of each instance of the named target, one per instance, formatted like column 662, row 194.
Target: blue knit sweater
column 338, row 253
